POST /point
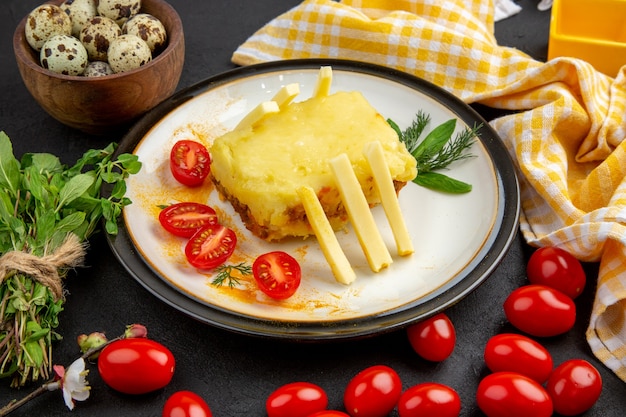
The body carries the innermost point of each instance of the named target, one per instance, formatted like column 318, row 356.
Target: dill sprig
column 231, row 274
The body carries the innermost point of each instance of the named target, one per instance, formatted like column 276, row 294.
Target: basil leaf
column 440, row 182
column 74, row 188
column 435, row 140
column 9, row 166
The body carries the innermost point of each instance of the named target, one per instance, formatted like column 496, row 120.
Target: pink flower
column 72, row 381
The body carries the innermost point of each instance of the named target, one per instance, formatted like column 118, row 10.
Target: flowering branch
column 72, row 380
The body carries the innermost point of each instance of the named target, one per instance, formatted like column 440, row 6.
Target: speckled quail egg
column 119, row 10
column 98, row 69
column 148, row 28
column 80, row 12
column 128, row 52
column 45, row 21
column 64, row 54
column 97, row 36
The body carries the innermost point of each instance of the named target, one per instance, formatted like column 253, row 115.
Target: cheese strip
column 257, row 114
column 361, row 217
column 335, row 257
column 324, row 80
column 285, row 95
column 375, row 157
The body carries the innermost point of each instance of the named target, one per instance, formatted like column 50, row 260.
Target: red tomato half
column 558, row 269
column 434, row 338
column 429, row 399
column 186, row 404
column 190, row 162
column 210, row 246
column 296, row 399
column 329, row 413
column 185, row 219
column 575, row 386
column 509, row 394
column 517, row 353
column 277, row 274
column 136, row 366
column 373, row 392
column 540, row 311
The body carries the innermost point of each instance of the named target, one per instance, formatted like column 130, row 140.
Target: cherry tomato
column 190, row 162
column 575, row 386
column 136, row 366
column 373, row 392
column 558, row 269
column 329, row 413
column 540, row 311
column 434, row 338
column 296, row 399
column 517, row 353
column 210, row 246
column 186, row 404
column 185, row 219
column 509, row 394
column 429, row 399
column 277, row 274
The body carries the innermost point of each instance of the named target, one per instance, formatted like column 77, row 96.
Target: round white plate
column 458, row 239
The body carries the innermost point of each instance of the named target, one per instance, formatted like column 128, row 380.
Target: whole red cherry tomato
column 517, row 353
column 136, row 366
column 373, row 392
column 575, row 386
column 434, row 338
column 296, row 399
column 509, row 394
column 190, row 162
column 328, row 413
column 558, row 269
column 429, row 399
column 277, row 274
column 186, row 404
column 210, row 246
column 540, row 311
column 185, row 219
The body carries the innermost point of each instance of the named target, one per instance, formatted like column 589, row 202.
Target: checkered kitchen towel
column 566, row 136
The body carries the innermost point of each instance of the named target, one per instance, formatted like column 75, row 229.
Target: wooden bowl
column 102, row 105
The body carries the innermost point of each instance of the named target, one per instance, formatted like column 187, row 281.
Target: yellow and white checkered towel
column 566, row 136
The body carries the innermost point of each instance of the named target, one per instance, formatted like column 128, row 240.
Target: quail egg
column 80, row 12
column 98, row 69
column 44, row 22
column 64, row 54
column 128, row 52
column 148, row 28
column 97, row 36
column 119, row 10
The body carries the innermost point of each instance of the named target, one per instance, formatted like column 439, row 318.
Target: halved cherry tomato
column 210, row 246
column 277, row 274
column 575, row 386
column 509, row 394
column 296, row 399
column 136, row 366
column 190, row 162
column 540, row 311
column 186, row 404
column 373, row 392
column 434, row 338
column 518, row 353
column 429, row 399
column 329, row 413
column 558, row 269
column 185, row 219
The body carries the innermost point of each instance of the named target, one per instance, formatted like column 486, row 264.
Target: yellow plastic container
column 591, row 30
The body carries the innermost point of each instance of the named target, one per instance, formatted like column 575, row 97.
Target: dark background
column 233, row 372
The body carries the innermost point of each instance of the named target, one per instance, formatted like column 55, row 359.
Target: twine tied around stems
column 45, row 269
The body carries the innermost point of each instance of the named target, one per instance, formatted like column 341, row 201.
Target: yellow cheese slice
column 339, row 264
column 324, row 81
column 375, row 157
column 286, row 94
column 359, row 213
column 257, row 114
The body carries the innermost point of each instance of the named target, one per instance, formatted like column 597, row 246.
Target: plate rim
column 488, row 257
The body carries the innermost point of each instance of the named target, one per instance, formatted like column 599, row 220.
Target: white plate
column 458, row 239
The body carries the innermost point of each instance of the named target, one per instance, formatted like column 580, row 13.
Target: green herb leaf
column 440, row 182
column 225, row 274
column 9, row 166
column 74, row 188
